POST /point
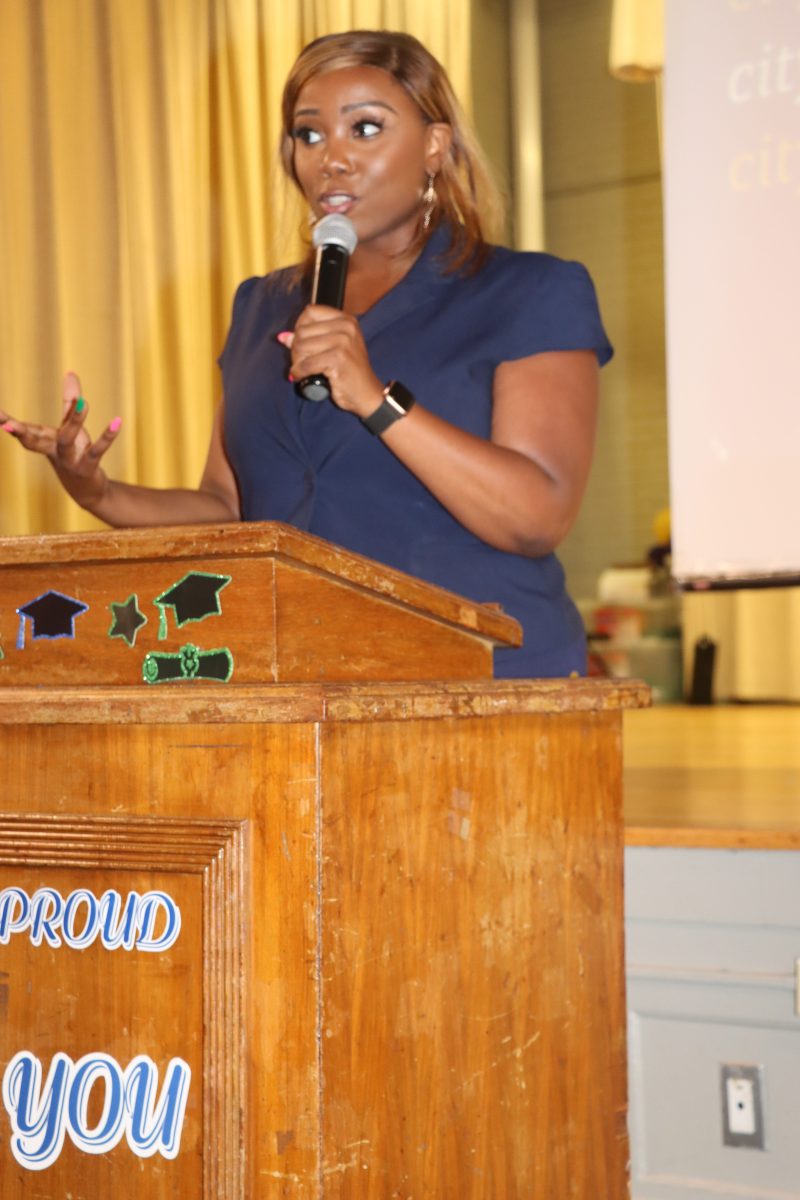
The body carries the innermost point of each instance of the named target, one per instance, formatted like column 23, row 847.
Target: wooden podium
column 295, row 900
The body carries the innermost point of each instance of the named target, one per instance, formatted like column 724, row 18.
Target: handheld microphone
column 336, row 239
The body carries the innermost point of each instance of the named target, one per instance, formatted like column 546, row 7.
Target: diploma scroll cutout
column 188, row 663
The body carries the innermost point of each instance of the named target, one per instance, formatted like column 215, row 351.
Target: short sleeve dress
column 442, row 335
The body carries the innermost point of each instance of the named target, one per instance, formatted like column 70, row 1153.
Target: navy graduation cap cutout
column 52, row 615
column 128, row 620
column 193, row 598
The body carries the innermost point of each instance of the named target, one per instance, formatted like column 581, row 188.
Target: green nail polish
column 80, row 404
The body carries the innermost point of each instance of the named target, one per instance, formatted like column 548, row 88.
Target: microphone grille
column 336, row 229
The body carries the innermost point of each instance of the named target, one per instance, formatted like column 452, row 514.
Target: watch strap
column 397, row 403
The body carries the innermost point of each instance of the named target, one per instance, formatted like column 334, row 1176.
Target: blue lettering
column 150, row 904
column 78, row 920
column 156, row 1127
column 14, row 910
column 42, row 1116
column 74, row 900
column 37, row 1114
column 46, row 909
column 90, row 1070
column 115, row 931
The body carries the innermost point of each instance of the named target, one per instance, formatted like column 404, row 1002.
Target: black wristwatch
column 397, row 402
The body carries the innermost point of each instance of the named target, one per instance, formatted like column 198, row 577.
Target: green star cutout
column 128, row 620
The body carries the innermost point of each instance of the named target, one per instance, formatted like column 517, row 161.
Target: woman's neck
column 372, row 274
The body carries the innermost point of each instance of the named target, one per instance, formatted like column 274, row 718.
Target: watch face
column 399, row 395
column 397, row 400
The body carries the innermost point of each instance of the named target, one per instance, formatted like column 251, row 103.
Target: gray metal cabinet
column 713, row 940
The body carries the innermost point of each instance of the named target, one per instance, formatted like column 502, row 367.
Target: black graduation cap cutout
column 52, row 615
column 128, row 620
column 192, row 598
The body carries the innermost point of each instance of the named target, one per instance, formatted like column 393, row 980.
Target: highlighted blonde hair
column 467, row 199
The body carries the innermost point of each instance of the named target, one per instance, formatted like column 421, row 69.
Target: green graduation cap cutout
column 192, row 598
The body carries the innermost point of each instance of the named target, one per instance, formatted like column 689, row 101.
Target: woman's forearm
column 126, row 505
column 500, row 495
column 520, row 490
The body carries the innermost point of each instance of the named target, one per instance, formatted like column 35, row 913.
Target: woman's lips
column 337, row 202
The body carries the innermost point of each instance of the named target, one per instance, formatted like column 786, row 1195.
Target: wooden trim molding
column 216, row 850
column 211, row 704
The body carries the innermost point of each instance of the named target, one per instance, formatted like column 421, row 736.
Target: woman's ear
column 439, row 139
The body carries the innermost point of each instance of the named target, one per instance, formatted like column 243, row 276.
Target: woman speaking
column 457, row 437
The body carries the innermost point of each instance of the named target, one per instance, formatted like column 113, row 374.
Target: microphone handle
column 330, row 276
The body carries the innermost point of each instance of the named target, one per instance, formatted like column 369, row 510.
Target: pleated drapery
column 138, row 185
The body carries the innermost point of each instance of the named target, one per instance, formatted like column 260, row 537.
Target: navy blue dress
column 442, row 335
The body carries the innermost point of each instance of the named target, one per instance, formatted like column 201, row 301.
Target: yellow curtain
column 137, row 187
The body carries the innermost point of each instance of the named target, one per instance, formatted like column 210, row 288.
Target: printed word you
column 81, row 917
column 41, row 1116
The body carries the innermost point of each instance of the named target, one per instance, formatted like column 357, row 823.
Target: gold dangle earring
column 429, row 201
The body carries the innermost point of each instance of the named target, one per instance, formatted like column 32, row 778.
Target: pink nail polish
column 115, row 424
column 290, row 377
column 283, row 337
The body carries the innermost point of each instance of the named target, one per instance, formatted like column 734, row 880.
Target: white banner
column 732, row 213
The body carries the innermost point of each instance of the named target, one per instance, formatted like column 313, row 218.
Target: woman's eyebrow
column 368, row 104
column 346, row 108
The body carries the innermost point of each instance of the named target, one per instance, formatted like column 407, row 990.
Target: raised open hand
column 70, row 449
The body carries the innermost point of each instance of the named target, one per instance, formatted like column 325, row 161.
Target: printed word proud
column 42, row 1116
column 80, row 918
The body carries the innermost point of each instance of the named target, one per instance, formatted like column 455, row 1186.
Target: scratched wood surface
column 400, row 964
column 472, row 983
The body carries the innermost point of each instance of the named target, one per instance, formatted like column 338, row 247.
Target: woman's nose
column 336, row 158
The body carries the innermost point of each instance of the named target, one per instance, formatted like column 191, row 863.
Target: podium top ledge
column 216, row 704
column 267, row 539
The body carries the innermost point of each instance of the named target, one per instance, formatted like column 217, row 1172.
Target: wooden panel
column 258, row 539
column 244, row 625
column 280, row 623
column 343, row 616
column 248, row 938
column 472, row 987
column 431, row 963
column 83, row 1000
column 329, row 631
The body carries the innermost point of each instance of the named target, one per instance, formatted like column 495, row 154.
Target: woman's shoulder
column 284, row 284
column 536, row 301
column 264, row 301
column 533, row 269
column 263, row 304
